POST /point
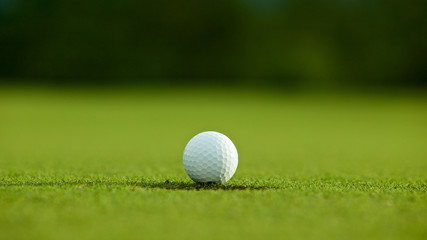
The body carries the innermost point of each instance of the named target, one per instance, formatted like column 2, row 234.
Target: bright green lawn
column 86, row 164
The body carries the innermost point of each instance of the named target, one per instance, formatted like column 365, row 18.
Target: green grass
column 84, row 164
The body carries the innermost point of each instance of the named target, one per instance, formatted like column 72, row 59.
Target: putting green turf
column 107, row 164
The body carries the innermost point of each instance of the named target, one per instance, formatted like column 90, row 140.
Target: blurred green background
column 272, row 43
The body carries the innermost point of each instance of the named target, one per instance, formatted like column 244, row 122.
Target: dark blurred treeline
column 298, row 43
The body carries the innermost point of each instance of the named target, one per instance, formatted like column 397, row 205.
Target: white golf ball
column 210, row 157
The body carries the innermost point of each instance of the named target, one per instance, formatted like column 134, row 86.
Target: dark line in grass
column 324, row 185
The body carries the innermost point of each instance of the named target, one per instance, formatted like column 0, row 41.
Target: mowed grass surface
column 86, row 164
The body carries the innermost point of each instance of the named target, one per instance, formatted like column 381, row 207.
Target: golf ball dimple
column 210, row 157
